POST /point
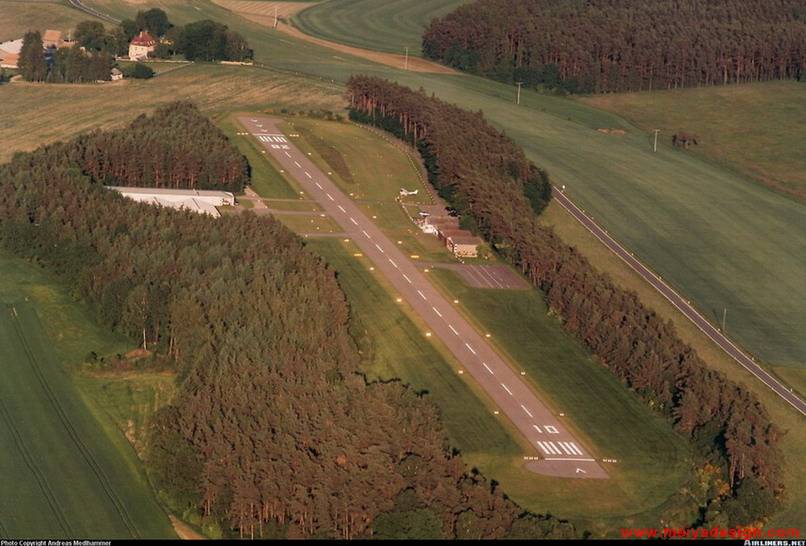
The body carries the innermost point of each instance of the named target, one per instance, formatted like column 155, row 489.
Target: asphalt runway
column 681, row 304
column 556, row 451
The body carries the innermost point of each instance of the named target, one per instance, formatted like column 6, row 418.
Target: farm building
column 201, row 201
column 10, row 53
column 141, row 45
column 464, row 246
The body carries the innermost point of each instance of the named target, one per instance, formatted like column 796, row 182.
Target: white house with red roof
column 141, row 45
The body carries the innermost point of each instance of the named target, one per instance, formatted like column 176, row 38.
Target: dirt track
column 416, row 64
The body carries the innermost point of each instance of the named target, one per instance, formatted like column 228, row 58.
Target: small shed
column 464, row 246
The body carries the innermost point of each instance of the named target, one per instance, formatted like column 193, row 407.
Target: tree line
column 62, row 65
column 176, row 147
column 486, row 177
column 623, row 45
column 274, row 430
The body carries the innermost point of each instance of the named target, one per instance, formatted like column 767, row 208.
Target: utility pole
column 724, row 316
column 518, row 100
column 655, row 147
column 406, row 66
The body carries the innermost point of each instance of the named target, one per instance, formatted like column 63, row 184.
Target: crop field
column 383, row 26
column 70, row 474
column 757, row 128
column 19, row 16
column 261, row 11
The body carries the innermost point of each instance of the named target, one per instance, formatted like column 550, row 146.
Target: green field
column 20, row 16
column 71, row 473
column 383, row 26
column 757, row 128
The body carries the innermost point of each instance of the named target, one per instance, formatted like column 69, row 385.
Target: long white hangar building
column 200, row 201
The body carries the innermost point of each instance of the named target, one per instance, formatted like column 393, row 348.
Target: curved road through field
column 555, row 450
column 681, row 304
column 95, row 13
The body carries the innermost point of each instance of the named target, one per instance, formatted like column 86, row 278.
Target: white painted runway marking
column 422, row 295
column 537, row 428
column 453, row 329
column 366, row 235
column 529, row 413
column 545, row 448
column 286, row 153
column 553, row 448
column 391, row 261
column 379, row 248
column 487, row 368
column 342, row 209
column 353, row 220
column 568, row 459
column 437, row 311
column 565, row 448
column 506, row 389
column 297, row 164
column 469, row 348
column 330, row 197
column 551, row 429
column 308, row 174
column 318, row 185
column 408, row 280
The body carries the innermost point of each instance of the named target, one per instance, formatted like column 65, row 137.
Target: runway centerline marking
column 353, row 220
column 297, row 164
column 308, row 174
column 391, row 261
column 330, row 197
column 318, row 185
column 469, row 348
column 342, row 209
column 408, row 280
column 289, row 155
column 453, row 329
column 422, row 295
column 487, row 368
column 506, row 389
column 366, row 234
column 525, row 409
column 379, row 248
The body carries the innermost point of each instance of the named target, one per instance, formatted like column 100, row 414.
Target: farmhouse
column 10, row 53
column 115, row 74
column 141, row 45
column 53, row 38
column 200, row 201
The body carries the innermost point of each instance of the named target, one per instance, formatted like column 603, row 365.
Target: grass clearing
column 383, row 26
column 71, row 475
column 794, row 440
column 757, row 128
column 19, row 16
column 261, row 11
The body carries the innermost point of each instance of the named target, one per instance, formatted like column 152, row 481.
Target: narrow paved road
column 556, row 451
column 94, row 12
column 681, row 304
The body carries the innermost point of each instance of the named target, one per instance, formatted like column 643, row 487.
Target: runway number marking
column 551, row 429
column 538, row 429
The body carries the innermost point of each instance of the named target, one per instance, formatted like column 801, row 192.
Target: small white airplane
column 404, row 192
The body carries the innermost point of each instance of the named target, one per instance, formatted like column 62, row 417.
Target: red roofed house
column 141, row 46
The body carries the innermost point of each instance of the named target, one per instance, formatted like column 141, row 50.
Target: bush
column 138, row 70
